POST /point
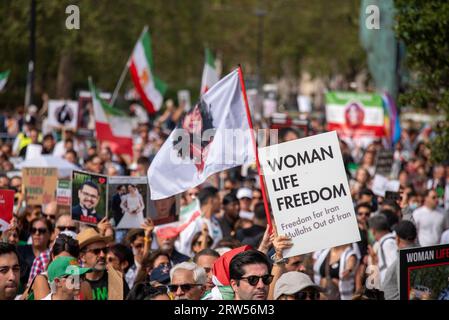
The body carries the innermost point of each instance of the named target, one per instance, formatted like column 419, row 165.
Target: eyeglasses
column 138, row 245
column 49, row 216
column 302, row 295
column 254, row 280
column 93, row 196
column 184, row 287
column 97, row 251
column 160, row 289
column 63, row 228
column 38, row 230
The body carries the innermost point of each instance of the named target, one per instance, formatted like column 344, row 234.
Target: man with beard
column 89, row 196
column 9, row 271
column 187, row 281
column 250, row 274
column 106, row 282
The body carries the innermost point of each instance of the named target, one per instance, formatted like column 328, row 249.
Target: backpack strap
column 382, row 253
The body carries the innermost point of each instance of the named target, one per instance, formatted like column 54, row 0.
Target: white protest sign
column 33, row 151
column 63, row 114
column 309, row 193
column 382, row 184
column 304, row 104
column 184, row 98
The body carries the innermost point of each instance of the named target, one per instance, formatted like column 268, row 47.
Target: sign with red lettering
column 424, row 273
column 39, row 185
column 6, row 208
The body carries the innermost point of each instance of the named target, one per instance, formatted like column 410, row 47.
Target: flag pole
column 123, row 75
column 119, row 83
column 253, row 139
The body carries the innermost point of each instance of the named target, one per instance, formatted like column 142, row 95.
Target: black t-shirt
column 100, row 288
column 26, row 259
column 251, row 236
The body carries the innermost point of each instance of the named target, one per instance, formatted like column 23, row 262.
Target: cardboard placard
column 39, row 185
column 424, row 273
column 309, row 193
column 64, row 196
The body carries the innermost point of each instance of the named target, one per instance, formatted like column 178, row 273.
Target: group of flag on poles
column 114, row 126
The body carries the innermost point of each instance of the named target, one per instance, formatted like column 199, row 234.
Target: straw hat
column 90, row 235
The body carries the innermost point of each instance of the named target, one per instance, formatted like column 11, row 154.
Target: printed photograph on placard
column 166, row 210
column 89, row 197
column 128, row 199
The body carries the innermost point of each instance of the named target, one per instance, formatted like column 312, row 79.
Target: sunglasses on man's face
column 184, row 287
column 38, row 230
column 302, row 295
column 254, row 280
column 97, row 251
column 63, row 228
column 49, row 216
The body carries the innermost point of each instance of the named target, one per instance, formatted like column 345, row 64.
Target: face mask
column 413, row 206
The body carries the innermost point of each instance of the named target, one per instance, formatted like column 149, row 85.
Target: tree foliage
column 321, row 36
column 424, row 28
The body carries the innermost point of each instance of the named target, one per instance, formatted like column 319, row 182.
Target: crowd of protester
column 231, row 253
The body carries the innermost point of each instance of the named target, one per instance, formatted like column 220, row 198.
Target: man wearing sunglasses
column 296, row 285
column 106, row 282
column 250, row 274
column 187, row 281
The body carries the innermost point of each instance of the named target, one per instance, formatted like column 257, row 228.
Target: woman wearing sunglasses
column 65, row 245
column 40, row 231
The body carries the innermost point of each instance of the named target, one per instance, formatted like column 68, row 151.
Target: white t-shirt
column 389, row 249
column 429, row 224
column 445, row 237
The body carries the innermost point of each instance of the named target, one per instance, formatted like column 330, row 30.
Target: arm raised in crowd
column 148, row 227
column 280, row 243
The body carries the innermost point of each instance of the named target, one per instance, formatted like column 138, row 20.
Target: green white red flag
column 112, row 125
column 151, row 90
column 3, row 79
column 210, row 74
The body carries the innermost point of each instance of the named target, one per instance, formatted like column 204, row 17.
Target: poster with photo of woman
column 128, row 201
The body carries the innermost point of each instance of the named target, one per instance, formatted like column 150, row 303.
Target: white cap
column 246, row 215
column 244, row 193
column 292, row 282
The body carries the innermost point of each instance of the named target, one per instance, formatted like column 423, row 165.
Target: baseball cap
column 292, row 282
column 161, row 274
column 244, row 193
column 65, row 266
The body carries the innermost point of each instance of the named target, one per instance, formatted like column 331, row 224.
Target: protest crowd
column 228, row 251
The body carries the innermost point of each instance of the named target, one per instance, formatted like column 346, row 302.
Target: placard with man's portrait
column 89, row 197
